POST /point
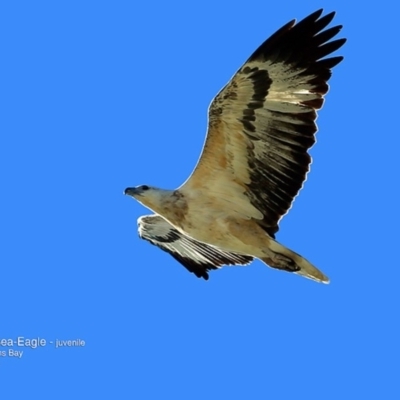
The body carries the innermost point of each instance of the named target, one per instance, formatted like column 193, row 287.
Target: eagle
column 254, row 161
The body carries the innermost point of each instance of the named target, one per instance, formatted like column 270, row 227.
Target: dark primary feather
column 275, row 95
column 195, row 256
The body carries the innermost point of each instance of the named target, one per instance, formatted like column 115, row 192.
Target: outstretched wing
column 196, row 256
column 262, row 123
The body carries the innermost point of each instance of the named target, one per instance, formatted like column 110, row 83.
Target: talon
column 285, row 263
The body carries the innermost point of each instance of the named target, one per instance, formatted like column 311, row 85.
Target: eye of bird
column 145, row 187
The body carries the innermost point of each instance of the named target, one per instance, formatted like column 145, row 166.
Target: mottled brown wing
column 197, row 257
column 262, row 123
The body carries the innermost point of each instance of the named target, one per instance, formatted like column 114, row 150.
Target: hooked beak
column 131, row 191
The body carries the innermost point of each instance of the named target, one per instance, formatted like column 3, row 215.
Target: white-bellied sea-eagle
column 254, row 161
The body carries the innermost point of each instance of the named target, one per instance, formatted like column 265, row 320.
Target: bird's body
column 254, row 161
column 204, row 217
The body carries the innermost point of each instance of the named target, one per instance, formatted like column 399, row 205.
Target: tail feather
column 286, row 259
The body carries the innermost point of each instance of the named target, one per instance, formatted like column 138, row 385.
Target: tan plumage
column 255, row 158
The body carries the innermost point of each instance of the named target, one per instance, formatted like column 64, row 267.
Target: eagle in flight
column 254, row 160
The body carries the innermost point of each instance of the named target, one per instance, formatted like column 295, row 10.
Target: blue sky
column 98, row 96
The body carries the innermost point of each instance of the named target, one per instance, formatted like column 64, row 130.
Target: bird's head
column 150, row 197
